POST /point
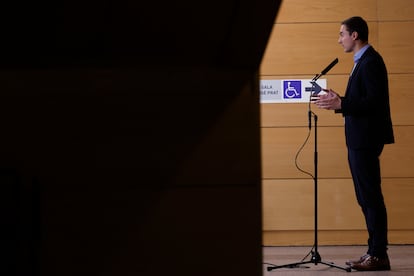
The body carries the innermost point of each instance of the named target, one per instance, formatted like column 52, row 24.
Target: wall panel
column 283, row 115
column 402, row 98
column 303, row 41
column 293, row 205
column 397, row 46
column 280, row 146
column 300, row 11
column 289, row 207
column 305, row 49
column 395, row 10
column 296, row 114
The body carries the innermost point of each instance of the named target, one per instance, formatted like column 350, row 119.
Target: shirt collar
column 359, row 54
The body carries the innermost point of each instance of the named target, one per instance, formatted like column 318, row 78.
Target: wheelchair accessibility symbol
column 292, row 89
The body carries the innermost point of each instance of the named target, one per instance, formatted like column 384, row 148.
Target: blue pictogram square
column 292, row 89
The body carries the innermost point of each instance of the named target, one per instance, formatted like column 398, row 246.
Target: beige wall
column 303, row 42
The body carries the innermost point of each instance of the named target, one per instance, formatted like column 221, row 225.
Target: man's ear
column 355, row 35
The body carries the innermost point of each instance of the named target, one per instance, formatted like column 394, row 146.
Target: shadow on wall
column 110, row 33
column 131, row 140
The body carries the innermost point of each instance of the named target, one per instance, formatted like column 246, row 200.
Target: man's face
column 346, row 39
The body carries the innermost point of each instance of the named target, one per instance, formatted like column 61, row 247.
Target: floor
column 401, row 258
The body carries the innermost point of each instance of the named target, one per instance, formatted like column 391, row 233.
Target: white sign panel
column 288, row 91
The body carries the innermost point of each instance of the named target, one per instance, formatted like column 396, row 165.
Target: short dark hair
column 359, row 25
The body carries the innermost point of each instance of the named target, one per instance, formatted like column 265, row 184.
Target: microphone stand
column 315, row 256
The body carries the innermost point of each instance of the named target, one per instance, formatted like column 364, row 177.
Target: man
column 368, row 127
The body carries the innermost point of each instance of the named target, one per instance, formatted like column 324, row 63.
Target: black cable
column 306, row 141
column 299, row 152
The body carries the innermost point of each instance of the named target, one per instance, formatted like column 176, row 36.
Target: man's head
column 353, row 34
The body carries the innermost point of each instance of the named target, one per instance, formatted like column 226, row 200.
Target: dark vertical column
column 139, row 123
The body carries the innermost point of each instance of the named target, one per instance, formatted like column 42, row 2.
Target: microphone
column 329, row 67
column 317, row 87
column 326, row 70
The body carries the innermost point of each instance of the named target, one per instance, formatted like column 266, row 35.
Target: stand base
column 316, row 259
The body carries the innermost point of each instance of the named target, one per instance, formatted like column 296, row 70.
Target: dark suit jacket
column 366, row 106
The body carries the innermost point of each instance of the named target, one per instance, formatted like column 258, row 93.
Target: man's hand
column 331, row 100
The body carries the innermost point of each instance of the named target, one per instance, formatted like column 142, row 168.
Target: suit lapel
column 355, row 71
